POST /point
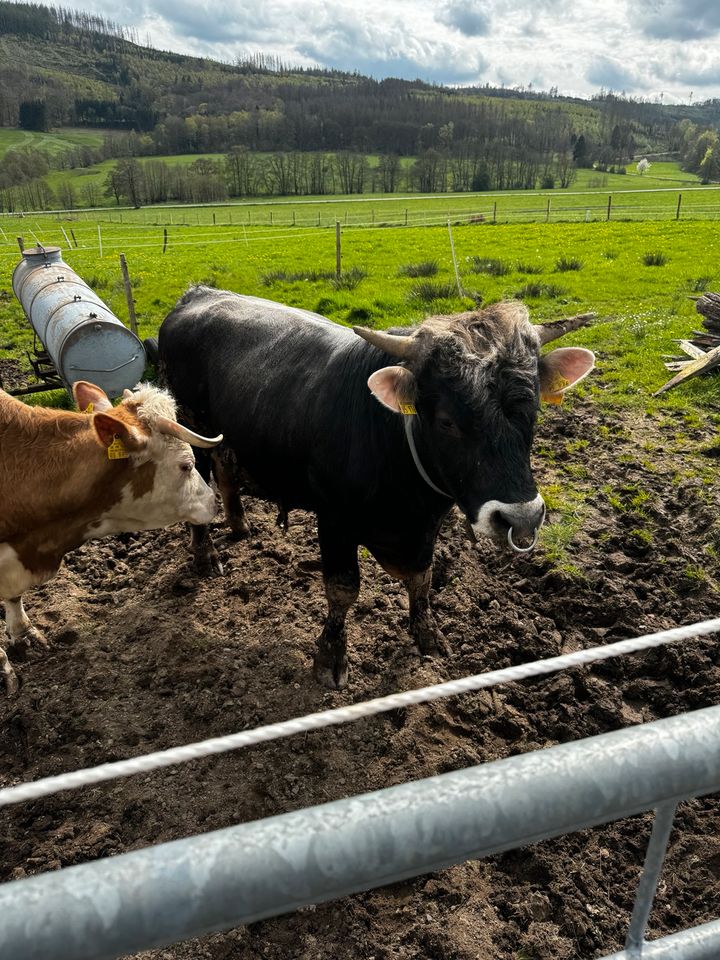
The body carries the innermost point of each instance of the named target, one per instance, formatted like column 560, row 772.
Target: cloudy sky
column 656, row 49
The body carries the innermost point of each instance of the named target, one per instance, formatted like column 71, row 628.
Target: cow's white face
column 160, row 485
column 164, row 488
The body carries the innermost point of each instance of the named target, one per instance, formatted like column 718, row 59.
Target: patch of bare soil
column 144, row 656
column 14, row 375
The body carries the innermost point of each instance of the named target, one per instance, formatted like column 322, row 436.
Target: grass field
column 558, row 269
column 52, row 143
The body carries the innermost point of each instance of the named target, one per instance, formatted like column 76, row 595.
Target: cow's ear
column 395, row 388
column 111, row 430
column 88, row 395
column 561, row 369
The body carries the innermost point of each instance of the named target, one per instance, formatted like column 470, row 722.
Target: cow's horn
column 173, row 429
column 558, row 328
column 402, row 347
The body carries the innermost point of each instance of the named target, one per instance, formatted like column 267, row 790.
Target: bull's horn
column 401, row 347
column 173, row 429
column 558, row 328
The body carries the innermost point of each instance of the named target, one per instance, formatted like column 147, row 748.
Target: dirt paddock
column 144, row 655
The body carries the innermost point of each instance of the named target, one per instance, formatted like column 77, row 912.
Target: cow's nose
column 514, row 523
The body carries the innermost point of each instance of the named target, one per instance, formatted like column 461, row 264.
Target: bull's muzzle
column 517, row 524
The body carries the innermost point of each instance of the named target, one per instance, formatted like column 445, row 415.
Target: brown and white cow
column 68, row 477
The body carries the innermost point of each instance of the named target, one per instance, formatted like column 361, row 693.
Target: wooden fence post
column 677, row 212
column 128, row 294
column 547, row 213
column 165, row 239
column 495, row 211
column 21, row 243
column 338, row 255
column 609, row 206
column 72, row 234
column 100, row 240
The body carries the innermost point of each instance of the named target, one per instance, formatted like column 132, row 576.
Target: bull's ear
column 109, row 429
column 561, row 369
column 85, row 394
column 395, row 388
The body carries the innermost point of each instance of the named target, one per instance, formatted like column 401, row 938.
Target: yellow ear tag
column 89, row 408
column 117, row 451
column 408, row 409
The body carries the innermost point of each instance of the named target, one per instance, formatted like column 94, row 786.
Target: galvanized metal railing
column 245, row 873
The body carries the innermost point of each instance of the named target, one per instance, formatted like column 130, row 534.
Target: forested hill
column 64, row 68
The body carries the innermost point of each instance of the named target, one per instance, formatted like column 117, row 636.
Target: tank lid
column 40, row 253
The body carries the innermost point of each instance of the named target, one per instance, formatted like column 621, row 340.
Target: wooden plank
column 688, row 347
column 702, row 364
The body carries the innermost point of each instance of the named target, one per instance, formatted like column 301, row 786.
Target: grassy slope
column 53, row 143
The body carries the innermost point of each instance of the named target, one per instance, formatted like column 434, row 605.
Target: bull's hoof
column 208, row 564
column 334, row 676
column 430, row 641
column 240, row 529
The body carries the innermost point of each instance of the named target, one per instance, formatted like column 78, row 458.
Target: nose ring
column 517, row 549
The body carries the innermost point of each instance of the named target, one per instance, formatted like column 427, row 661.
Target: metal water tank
column 82, row 337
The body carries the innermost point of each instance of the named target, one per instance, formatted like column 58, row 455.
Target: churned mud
column 144, row 655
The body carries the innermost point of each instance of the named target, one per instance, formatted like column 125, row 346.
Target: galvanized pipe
column 190, row 887
column 697, row 943
column 654, row 859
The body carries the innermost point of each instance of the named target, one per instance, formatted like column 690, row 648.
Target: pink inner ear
column 87, row 393
column 562, row 368
column 386, row 385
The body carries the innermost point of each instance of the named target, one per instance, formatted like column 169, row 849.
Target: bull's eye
column 448, row 426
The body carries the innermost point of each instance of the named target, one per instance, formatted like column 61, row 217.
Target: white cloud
column 621, row 45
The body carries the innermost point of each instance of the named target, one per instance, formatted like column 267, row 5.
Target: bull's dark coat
column 289, row 391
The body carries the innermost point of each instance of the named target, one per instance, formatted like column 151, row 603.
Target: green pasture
column 52, row 143
column 558, row 269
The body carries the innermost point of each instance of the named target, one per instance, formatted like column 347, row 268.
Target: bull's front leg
column 206, row 559
column 423, row 627
column 342, row 585
column 228, row 480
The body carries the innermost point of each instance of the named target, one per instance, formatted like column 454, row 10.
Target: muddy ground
column 144, row 655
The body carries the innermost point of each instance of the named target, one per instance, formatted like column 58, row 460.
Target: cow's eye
column 186, row 466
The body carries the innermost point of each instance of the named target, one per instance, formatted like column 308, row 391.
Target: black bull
column 296, row 398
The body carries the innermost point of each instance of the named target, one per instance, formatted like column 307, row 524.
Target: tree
column 32, row 115
column 643, row 166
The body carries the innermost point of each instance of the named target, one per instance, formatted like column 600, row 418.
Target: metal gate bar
column 245, row 873
column 654, row 858
column 698, row 943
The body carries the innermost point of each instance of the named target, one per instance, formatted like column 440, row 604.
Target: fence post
column 3, row 235
column 165, row 239
column 100, row 240
column 271, row 219
column 405, row 216
column 72, row 234
column 338, row 255
column 318, row 223
column 609, row 206
column 293, row 218
column 128, row 294
column 677, row 212
column 67, row 238
column 495, row 211
column 547, row 213
column 21, row 243
column 454, row 260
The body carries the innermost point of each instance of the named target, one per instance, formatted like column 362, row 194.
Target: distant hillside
column 60, row 68
column 67, row 69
